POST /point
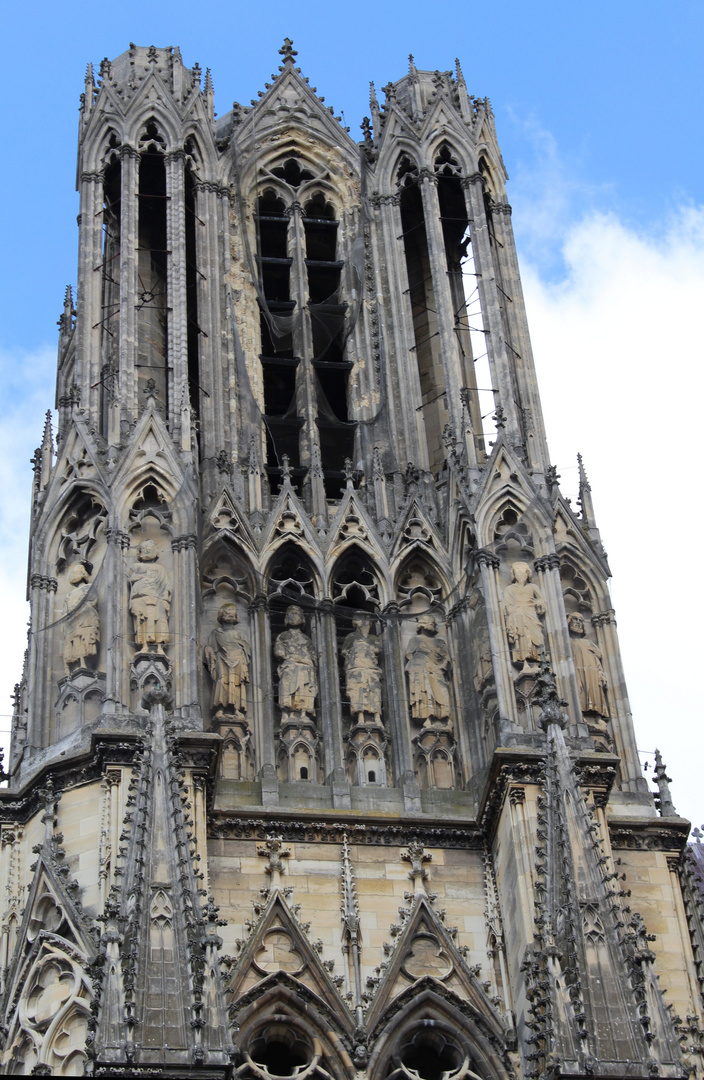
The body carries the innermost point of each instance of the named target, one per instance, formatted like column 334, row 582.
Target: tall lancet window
column 424, row 310
column 193, row 330
column 303, row 330
column 110, row 325
column 464, row 295
column 152, row 306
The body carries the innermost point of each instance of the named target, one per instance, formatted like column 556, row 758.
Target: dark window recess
column 332, row 380
column 111, row 285
column 327, row 323
column 152, row 326
column 193, row 330
column 279, row 385
column 278, row 1058
column 336, row 444
column 278, row 345
column 321, row 248
column 276, row 278
column 292, row 172
column 424, row 313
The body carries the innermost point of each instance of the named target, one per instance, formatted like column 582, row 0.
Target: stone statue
column 298, row 682
column 591, row 677
column 360, row 653
column 523, row 607
column 82, row 632
column 150, row 597
column 227, row 657
column 427, row 665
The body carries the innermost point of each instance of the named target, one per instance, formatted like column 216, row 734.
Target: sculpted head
column 228, row 615
column 521, row 573
column 575, row 622
column 426, row 624
column 147, row 551
column 294, row 616
column 78, row 574
column 362, row 622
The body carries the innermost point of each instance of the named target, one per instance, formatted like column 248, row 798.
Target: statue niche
column 227, row 657
column 427, row 668
column 367, row 738
column 82, row 689
column 297, row 692
column 150, row 598
column 523, row 609
column 82, row 621
column 591, row 681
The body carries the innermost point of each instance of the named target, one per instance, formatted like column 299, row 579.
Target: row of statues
column 227, row 654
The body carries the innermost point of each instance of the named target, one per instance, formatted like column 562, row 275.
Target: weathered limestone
column 322, row 760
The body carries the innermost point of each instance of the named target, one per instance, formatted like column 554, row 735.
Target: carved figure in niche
column 298, row 681
column 150, row 597
column 227, row 657
column 523, row 607
column 82, row 632
column 360, row 653
column 591, row 677
column 427, row 665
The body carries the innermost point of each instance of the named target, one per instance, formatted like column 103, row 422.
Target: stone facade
column 322, row 759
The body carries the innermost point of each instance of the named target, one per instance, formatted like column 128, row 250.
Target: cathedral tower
column 322, row 759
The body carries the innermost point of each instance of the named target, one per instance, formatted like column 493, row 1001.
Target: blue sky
column 598, row 108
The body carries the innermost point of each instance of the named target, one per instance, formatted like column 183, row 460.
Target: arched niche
column 431, row 1035
column 292, row 590
column 355, row 590
column 227, row 646
column 75, row 645
column 278, row 1038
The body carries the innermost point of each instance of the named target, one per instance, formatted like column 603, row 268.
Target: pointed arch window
column 303, row 312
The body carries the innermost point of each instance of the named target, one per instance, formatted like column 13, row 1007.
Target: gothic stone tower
column 322, row 759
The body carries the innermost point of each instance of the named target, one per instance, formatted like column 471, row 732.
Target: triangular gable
column 290, row 100
column 570, row 534
column 353, row 525
column 150, row 448
column 53, row 921
column 226, row 519
column 425, row 950
column 78, row 458
column 415, row 528
column 277, row 944
column 289, row 520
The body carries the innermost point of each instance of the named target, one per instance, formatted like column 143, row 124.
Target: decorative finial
column 663, row 799
column 273, row 849
column 416, row 855
column 551, row 703
column 412, row 69
column 286, row 468
column 585, row 496
column 348, row 472
column 208, row 89
column 499, row 418
column 287, row 51
column 459, row 77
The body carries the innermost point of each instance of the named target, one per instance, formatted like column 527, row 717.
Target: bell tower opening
column 152, row 307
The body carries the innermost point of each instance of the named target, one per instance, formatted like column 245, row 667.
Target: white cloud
column 27, row 381
column 618, row 346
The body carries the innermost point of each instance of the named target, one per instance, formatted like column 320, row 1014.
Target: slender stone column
column 443, row 301
column 503, row 673
column 621, row 718
column 500, row 363
column 89, row 293
column 517, row 325
column 40, row 727
column 330, row 711
column 406, row 419
column 177, row 321
column 558, row 638
column 215, row 433
column 262, row 686
column 183, row 629
column 129, row 239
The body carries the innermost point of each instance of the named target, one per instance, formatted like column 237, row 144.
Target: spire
column 459, row 77
column 208, row 95
column 663, row 799
column 412, row 69
column 66, row 320
column 47, row 451
column 465, row 104
column 89, row 93
column 374, row 110
column 585, row 496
